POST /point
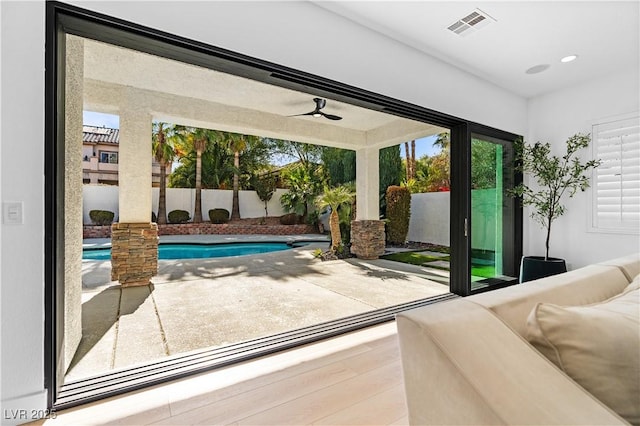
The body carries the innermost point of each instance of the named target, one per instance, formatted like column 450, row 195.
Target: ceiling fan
column 320, row 103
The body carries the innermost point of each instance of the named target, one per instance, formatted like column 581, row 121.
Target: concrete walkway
column 200, row 303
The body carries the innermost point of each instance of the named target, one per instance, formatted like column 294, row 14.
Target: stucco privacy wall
column 555, row 117
column 282, row 33
column 429, row 221
column 105, row 197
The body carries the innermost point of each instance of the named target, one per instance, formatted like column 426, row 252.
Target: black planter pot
column 534, row 267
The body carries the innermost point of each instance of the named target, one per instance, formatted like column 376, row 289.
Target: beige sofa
column 467, row 361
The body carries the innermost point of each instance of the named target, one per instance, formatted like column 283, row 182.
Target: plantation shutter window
column 616, row 186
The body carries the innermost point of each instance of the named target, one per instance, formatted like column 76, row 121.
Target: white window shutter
column 616, row 182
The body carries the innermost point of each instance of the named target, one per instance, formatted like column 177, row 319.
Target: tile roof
column 92, row 134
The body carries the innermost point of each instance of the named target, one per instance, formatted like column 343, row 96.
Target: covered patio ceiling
column 186, row 94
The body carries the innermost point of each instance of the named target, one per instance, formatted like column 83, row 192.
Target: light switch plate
column 12, row 213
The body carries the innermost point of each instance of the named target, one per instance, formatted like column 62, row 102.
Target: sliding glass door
column 471, row 173
column 493, row 252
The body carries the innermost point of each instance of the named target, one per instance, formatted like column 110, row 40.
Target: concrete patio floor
column 200, row 303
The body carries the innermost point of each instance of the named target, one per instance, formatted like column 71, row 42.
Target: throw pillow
column 597, row 345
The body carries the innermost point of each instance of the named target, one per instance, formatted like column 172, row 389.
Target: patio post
column 134, row 239
column 367, row 231
column 74, row 87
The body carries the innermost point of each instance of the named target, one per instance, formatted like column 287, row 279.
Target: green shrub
column 101, row 217
column 290, row 219
column 219, row 215
column 313, row 217
column 178, row 216
column 398, row 213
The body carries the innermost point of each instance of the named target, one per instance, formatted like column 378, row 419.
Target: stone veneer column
column 134, row 239
column 367, row 231
column 367, row 238
column 134, row 253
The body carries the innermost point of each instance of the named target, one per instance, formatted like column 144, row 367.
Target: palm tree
column 199, row 144
column 237, row 144
column 163, row 136
column 334, row 198
column 443, row 141
column 410, row 160
column 198, row 139
column 217, row 168
column 413, row 159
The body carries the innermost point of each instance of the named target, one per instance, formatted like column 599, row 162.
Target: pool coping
column 98, row 243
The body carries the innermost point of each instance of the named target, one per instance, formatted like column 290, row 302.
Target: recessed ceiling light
column 537, row 69
column 569, row 58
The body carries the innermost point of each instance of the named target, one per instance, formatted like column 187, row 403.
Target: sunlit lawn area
column 416, row 258
column 422, row 259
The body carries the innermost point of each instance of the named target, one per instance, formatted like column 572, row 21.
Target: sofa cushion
column 598, row 346
column 629, row 265
column 584, row 286
column 635, row 284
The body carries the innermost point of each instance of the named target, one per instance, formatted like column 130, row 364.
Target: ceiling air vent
column 471, row 23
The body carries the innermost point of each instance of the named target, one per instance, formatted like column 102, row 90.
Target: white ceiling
column 605, row 35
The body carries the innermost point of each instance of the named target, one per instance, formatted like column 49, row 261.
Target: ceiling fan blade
column 306, row 113
column 331, row 116
column 320, row 103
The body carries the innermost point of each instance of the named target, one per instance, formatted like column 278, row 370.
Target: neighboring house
column 100, row 157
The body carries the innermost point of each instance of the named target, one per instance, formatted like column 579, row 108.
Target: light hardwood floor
column 354, row 379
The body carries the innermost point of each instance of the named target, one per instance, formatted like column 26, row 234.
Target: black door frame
column 66, row 19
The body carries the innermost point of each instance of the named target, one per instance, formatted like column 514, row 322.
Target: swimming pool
column 200, row 251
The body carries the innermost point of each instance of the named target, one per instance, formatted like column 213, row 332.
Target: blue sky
column 100, row 120
column 423, row 145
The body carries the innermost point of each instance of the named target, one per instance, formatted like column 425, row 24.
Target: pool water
column 199, row 251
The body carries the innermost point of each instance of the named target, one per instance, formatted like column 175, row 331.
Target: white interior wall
column 22, row 267
column 281, row 32
column 555, row 117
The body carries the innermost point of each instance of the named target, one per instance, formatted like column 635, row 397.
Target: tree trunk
column 546, row 256
column 235, row 207
column 334, row 225
column 408, row 161
column 197, row 214
column 161, row 218
column 413, row 159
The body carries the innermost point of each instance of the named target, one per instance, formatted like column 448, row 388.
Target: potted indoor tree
column 554, row 178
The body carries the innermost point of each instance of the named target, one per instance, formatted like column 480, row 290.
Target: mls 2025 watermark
column 21, row 414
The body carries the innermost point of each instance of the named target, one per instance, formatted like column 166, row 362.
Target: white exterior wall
column 555, row 117
column 105, row 197
column 280, row 32
column 430, row 218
